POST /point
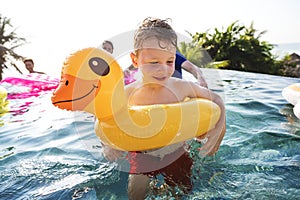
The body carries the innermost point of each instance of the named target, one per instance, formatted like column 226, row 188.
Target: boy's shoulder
column 186, row 85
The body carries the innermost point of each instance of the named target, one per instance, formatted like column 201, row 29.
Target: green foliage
column 199, row 56
column 195, row 53
column 9, row 41
column 240, row 46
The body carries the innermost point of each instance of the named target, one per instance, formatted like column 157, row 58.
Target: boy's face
column 155, row 63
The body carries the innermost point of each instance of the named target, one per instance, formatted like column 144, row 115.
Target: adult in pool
column 108, row 46
column 29, row 64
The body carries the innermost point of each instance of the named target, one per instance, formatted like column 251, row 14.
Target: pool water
column 48, row 153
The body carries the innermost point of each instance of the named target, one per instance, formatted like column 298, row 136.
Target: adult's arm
column 195, row 71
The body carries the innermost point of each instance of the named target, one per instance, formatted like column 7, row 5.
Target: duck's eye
column 99, row 66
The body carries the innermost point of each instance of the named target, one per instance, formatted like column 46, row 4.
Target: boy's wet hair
column 154, row 27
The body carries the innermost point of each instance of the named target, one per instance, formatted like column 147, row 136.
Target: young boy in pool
column 155, row 50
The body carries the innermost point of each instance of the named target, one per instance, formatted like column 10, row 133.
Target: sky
column 56, row 28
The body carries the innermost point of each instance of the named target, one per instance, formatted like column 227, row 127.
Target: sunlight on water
column 48, row 153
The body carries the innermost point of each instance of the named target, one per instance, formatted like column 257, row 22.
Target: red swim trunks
column 174, row 167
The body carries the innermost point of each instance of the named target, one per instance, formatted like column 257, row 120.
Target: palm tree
column 9, row 41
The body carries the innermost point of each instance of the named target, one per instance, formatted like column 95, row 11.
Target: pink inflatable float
column 28, row 85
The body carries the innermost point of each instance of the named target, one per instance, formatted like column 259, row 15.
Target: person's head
column 155, row 49
column 29, row 64
column 108, row 46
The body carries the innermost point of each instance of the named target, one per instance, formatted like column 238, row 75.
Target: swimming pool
column 48, row 153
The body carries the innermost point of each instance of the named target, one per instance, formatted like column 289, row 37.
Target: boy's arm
column 214, row 136
column 214, row 139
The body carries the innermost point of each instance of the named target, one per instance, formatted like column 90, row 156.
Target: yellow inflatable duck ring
column 93, row 81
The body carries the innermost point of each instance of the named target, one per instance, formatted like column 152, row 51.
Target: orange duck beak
column 74, row 93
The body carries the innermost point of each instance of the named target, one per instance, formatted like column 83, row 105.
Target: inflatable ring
column 292, row 95
column 93, row 81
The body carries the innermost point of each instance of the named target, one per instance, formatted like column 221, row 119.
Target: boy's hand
column 212, row 141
